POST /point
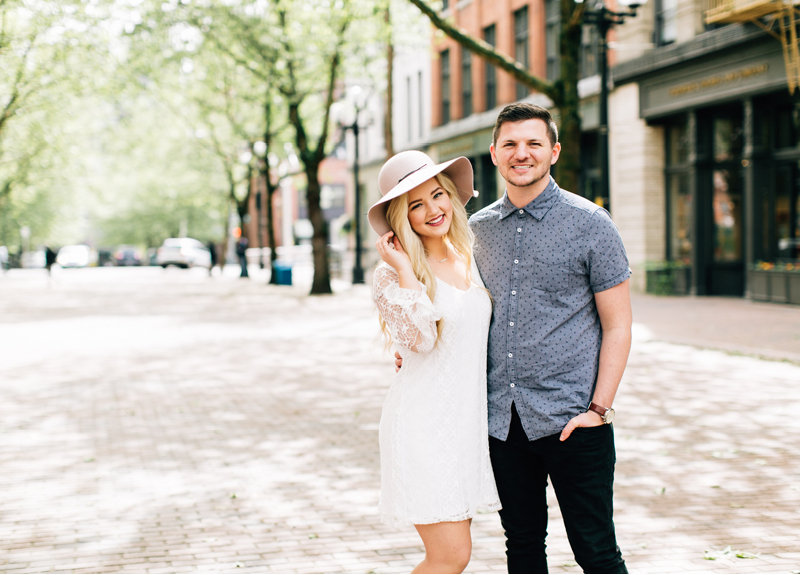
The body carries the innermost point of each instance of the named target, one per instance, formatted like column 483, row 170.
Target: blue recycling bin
column 283, row 273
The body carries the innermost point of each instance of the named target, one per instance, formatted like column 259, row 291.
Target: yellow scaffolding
column 780, row 18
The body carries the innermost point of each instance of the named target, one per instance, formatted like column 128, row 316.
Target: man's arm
column 614, row 309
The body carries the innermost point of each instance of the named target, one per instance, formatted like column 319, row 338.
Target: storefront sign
column 719, row 79
column 732, row 75
column 471, row 145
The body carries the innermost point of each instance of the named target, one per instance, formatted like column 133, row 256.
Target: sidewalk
column 734, row 325
column 162, row 421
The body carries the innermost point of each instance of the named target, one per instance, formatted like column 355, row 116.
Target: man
column 558, row 344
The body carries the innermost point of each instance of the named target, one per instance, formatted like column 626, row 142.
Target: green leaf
column 713, row 555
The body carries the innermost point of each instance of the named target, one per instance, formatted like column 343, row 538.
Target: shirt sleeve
column 409, row 314
column 607, row 261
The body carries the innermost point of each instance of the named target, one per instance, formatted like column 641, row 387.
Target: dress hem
column 403, row 521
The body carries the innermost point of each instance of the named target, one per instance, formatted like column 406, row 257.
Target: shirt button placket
column 514, row 307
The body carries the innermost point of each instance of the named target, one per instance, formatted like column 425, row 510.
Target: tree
column 301, row 47
column 563, row 92
column 41, row 52
column 201, row 74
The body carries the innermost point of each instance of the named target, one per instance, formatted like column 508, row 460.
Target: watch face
column 609, row 416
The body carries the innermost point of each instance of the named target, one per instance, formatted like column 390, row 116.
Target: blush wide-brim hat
column 405, row 171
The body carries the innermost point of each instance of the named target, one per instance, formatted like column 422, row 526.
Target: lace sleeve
column 409, row 314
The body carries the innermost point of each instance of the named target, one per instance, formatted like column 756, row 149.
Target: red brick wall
column 474, row 18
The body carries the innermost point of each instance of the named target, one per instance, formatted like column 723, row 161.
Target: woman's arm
column 408, row 311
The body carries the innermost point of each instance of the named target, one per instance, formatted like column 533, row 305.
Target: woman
column 435, row 467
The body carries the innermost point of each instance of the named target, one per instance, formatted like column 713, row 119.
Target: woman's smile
column 437, row 221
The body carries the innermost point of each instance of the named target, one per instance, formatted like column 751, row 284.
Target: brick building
column 468, row 93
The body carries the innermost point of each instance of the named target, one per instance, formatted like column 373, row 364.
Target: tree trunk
column 319, row 241
column 225, row 242
column 243, row 206
column 273, row 249
column 269, row 189
column 569, row 164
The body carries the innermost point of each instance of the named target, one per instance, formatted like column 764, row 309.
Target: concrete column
column 637, row 194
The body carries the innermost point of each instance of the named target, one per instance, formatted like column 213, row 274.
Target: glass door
column 726, row 273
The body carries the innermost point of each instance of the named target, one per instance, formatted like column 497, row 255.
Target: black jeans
column 582, row 471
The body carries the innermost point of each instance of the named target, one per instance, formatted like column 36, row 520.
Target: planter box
column 779, row 287
column 794, row 288
column 775, row 286
column 669, row 281
column 683, row 281
column 759, row 285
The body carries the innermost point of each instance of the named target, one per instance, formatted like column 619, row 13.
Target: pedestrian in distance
column 49, row 259
column 241, row 252
column 559, row 340
column 435, row 467
column 212, row 250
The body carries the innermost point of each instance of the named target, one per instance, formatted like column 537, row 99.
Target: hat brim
column 459, row 170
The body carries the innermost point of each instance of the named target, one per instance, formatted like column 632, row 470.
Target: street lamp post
column 359, row 106
column 604, row 19
column 260, row 231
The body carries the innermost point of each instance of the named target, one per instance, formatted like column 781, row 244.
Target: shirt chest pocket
column 552, row 276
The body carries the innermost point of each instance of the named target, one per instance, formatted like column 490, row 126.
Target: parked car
column 128, row 256
column 77, row 256
column 183, row 252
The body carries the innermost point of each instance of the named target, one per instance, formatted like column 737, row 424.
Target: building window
column 490, row 37
column 409, row 110
column 332, row 197
column 780, row 202
column 552, row 38
column 666, row 25
column 679, row 198
column 521, row 45
column 421, row 107
column 590, row 40
column 444, row 63
column 466, row 82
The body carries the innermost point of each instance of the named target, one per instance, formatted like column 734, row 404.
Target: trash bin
column 283, row 273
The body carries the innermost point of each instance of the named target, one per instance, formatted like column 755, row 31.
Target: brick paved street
column 162, row 421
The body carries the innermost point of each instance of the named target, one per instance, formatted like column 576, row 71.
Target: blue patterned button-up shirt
column 543, row 264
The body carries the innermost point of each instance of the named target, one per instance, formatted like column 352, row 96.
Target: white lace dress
column 434, row 437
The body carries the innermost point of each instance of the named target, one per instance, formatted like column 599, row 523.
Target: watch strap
column 601, row 411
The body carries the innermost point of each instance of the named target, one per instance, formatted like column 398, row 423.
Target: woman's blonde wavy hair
column 459, row 236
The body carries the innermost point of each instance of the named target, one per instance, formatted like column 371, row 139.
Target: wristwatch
column 606, row 413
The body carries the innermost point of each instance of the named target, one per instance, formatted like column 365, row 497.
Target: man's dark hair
column 519, row 112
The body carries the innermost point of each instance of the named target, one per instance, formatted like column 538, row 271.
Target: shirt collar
column 538, row 208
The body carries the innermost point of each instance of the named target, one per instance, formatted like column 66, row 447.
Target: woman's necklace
column 437, row 261
column 440, row 261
